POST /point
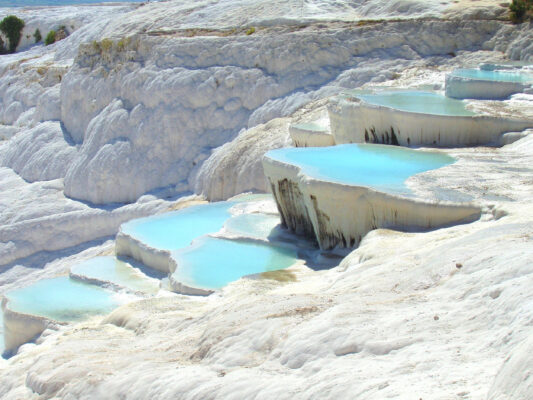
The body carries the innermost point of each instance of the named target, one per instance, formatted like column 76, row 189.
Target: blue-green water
column 33, row 3
column 258, row 226
column 378, row 166
column 177, row 229
column 211, row 263
column 110, row 269
column 418, row 101
column 62, row 299
column 501, row 76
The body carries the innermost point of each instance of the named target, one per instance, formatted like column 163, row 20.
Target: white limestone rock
column 48, row 106
column 236, row 166
column 515, row 380
column 36, row 217
column 197, row 93
column 40, row 153
column 353, row 120
column 467, row 88
column 7, row 131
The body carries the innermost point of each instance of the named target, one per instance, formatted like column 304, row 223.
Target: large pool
column 372, row 165
column 499, row 76
column 418, row 101
column 110, row 269
column 211, row 263
column 175, row 230
column 62, row 299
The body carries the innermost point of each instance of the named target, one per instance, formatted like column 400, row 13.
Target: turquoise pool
column 373, row 165
column 177, row 229
column 62, row 299
column 110, row 269
column 499, row 76
column 256, row 225
column 212, row 263
column 418, row 101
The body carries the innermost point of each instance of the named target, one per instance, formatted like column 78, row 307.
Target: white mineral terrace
column 311, row 134
column 146, row 108
column 385, row 118
column 339, row 212
column 484, row 84
column 27, row 312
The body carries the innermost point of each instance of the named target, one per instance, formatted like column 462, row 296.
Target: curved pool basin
column 211, row 263
column 177, row 229
column 415, row 118
column 336, row 195
column 517, row 76
column 382, row 167
column 418, row 102
column 107, row 269
column 485, row 84
column 62, row 299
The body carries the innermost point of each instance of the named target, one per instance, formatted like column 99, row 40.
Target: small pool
column 211, row 263
column 62, row 299
column 419, row 102
column 255, row 225
column 177, row 229
column 499, row 76
column 110, row 269
column 372, row 165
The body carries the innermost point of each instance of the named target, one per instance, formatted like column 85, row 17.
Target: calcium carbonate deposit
column 143, row 109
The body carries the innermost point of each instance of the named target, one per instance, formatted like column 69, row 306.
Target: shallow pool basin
column 486, row 84
column 109, row 270
column 515, row 75
column 336, row 195
column 177, row 229
column 414, row 118
column 62, row 299
column 418, row 102
column 211, row 263
column 381, row 167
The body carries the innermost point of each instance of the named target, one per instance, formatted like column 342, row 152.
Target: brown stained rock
column 60, row 34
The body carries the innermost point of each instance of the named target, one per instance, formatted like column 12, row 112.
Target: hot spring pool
column 211, row 263
column 62, row 299
column 110, row 269
column 378, row 166
column 419, row 102
column 177, row 229
column 500, row 76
